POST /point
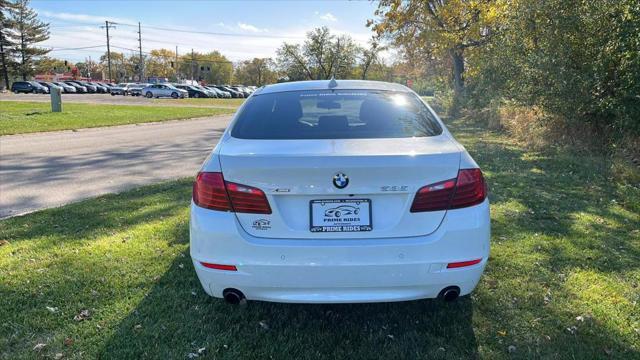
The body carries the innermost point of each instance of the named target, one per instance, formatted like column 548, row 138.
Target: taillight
column 247, row 199
column 467, row 189
column 470, row 189
column 212, row 192
column 209, row 191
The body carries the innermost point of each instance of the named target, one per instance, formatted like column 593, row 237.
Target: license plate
column 340, row 215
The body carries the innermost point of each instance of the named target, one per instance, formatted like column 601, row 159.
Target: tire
column 174, row 95
column 113, row 94
column 149, row 95
column 337, row 213
column 196, row 95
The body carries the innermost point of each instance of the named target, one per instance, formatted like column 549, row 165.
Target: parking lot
column 123, row 100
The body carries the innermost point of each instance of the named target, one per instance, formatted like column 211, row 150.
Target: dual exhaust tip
column 235, row 296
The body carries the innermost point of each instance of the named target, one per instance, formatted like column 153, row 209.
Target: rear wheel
column 174, row 95
column 149, row 94
column 196, row 95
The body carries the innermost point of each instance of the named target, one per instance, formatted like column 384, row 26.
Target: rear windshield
column 334, row 114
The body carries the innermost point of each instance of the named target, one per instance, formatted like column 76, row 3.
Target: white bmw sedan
column 338, row 192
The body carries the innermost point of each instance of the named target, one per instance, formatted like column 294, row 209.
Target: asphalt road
column 45, row 170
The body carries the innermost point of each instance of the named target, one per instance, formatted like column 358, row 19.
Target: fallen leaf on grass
column 502, row 333
column 58, row 356
column 39, row 346
column 4, row 242
column 52, row 309
column 68, row 341
column 264, row 325
column 83, row 315
column 137, row 327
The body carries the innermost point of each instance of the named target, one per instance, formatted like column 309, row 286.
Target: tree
column 161, row 63
column 123, row 66
column 27, row 32
column 7, row 46
column 50, row 65
column 212, row 67
column 438, row 27
column 256, row 72
column 370, row 57
column 322, row 56
column 88, row 68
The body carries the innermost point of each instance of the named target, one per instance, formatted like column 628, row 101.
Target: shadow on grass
column 88, row 220
column 176, row 318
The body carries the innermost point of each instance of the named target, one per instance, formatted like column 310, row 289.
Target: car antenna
column 333, row 83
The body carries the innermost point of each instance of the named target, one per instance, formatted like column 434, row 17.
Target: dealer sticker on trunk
column 340, row 215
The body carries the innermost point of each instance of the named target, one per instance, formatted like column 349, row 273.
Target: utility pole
column 192, row 64
column 176, row 63
column 107, row 26
column 140, row 48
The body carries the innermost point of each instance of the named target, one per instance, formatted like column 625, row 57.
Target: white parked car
column 164, row 90
column 338, row 191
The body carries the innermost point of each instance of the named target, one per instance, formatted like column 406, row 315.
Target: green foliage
column 212, row 67
column 576, row 60
column 27, row 31
column 324, row 55
column 579, row 60
column 256, row 72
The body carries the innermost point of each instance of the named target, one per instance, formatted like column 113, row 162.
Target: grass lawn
column 26, row 117
column 562, row 282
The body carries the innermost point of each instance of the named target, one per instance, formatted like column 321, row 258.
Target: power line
column 77, row 48
column 216, row 32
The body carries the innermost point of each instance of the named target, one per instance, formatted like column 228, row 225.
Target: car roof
column 324, row 85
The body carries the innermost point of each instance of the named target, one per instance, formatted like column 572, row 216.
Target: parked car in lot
column 49, row 85
column 81, row 89
column 219, row 93
column 121, row 89
column 91, row 89
column 100, row 88
column 234, row 93
column 271, row 223
column 28, row 87
column 136, row 89
column 193, row 91
column 164, row 90
column 211, row 93
column 244, row 91
column 68, row 89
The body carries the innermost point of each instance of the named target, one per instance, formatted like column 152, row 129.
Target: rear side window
column 334, row 114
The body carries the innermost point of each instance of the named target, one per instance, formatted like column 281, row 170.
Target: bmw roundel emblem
column 340, row 180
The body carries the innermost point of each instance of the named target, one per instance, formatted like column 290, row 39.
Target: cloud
column 329, row 17
column 249, row 27
column 77, row 17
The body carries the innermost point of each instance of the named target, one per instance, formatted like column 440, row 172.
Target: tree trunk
column 457, row 58
column 5, row 72
column 23, row 66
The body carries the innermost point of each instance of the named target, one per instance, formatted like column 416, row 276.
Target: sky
column 252, row 28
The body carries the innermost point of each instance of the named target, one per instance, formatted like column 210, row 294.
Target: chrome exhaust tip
column 450, row 293
column 233, row 296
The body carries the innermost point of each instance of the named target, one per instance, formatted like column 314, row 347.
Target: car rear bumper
column 337, row 271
